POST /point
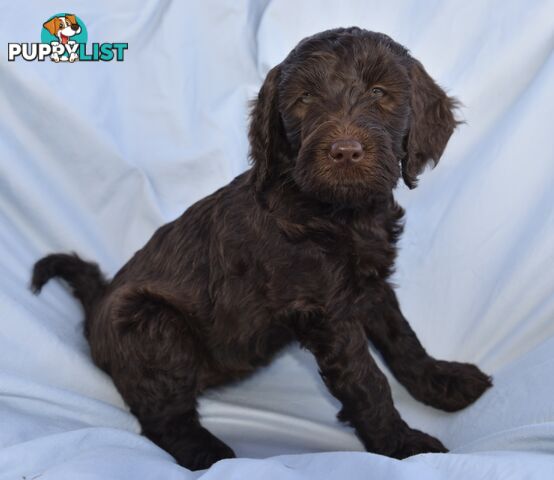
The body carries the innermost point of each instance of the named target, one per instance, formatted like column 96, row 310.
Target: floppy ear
column 266, row 134
column 71, row 18
column 52, row 25
column 431, row 124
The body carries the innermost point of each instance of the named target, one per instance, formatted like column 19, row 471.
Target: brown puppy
column 300, row 247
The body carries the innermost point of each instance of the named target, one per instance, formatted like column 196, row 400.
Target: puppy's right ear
column 431, row 125
column 52, row 25
column 266, row 134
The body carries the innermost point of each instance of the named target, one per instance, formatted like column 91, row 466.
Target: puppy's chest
column 345, row 256
column 362, row 253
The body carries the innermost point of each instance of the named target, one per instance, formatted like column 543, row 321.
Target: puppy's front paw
column 452, row 386
column 201, row 459
column 196, row 454
column 415, row 442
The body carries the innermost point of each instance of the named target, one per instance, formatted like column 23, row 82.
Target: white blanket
column 95, row 156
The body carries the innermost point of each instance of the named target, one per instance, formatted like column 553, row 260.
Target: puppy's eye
column 306, row 98
column 377, row 92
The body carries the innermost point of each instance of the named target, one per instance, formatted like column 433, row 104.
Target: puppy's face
column 352, row 112
column 69, row 26
column 63, row 27
column 345, row 109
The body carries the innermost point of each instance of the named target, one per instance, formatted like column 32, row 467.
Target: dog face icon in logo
column 65, row 28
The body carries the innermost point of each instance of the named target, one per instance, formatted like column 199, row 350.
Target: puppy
column 299, row 247
column 63, row 27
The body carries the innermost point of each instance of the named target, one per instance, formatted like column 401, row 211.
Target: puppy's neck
column 285, row 198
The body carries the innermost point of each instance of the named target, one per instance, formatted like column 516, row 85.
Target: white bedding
column 95, row 156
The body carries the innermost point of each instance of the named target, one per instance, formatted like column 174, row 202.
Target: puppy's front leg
column 347, row 368
column 449, row 386
column 73, row 56
column 55, row 57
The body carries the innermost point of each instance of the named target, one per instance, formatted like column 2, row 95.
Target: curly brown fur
column 300, row 247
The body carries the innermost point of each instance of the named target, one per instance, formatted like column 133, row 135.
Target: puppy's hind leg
column 156, row 370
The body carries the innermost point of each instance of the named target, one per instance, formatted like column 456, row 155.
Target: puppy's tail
column 85, row 278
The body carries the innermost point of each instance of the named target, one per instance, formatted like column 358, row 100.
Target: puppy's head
column 345, row 115
column 63, row 27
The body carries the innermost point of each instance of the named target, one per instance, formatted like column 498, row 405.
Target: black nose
column 75, row 27
column 346, row 151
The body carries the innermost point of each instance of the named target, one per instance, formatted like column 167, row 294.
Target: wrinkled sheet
column 95, row 156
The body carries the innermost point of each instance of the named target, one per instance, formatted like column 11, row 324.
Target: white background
column 95, row 156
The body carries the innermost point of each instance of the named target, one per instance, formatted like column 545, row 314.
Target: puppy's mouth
column 71, row 31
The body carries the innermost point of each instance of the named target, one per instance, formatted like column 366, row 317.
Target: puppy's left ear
column 431, row 124
column 71, row 18
column 266, row 134
column 52, row 25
